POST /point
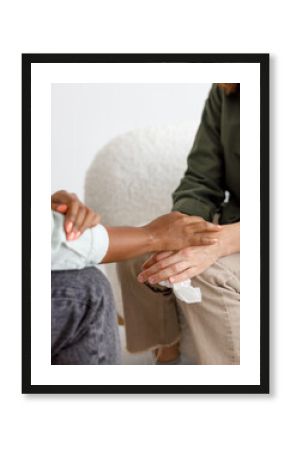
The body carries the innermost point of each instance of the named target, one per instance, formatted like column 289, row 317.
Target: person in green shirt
column 210, row 188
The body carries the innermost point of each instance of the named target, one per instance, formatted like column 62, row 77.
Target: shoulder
column 216, row 94
column 213, row 105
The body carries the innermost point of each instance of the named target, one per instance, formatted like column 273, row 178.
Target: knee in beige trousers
column 209, row 331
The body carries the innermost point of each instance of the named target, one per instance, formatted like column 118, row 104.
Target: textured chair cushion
column 132, row 178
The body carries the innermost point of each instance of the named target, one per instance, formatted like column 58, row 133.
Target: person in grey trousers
column 83, row 316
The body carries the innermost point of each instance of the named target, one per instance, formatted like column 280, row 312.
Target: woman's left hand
column 178, row 266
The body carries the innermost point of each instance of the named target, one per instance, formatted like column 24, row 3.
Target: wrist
column 228, row 241
column 214, row 251
column 153, row 242
column 218, row 250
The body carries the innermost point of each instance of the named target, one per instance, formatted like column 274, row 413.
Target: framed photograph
column 144, row 165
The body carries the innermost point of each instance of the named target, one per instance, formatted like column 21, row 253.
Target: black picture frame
column 263, row 61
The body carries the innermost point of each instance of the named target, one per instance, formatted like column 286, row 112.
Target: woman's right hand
column 78, row 217
column 175, row 231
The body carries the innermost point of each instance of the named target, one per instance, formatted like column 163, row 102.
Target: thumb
column 59, row 207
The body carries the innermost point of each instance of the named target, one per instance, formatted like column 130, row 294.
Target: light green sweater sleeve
column 88, row 250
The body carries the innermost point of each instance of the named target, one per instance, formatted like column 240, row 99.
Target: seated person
column 157, row 320
column 84, row 326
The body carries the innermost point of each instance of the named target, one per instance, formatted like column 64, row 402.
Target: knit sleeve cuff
column 100, row 244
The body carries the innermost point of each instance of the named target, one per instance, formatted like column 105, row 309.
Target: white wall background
column 86, row 116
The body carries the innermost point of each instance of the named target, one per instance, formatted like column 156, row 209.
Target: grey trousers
column 83, row 318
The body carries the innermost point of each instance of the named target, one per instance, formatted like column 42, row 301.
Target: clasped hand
column 191, row 261
column 178, row 266
column 78, row 217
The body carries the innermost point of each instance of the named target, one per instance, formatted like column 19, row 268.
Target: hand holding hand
column 191, row 261
column 175, row 230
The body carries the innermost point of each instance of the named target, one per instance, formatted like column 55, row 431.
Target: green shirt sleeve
column 201, row 190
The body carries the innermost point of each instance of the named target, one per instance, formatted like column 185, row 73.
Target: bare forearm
column 128, row 242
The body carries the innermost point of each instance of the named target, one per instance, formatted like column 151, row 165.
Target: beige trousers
column 209, row 332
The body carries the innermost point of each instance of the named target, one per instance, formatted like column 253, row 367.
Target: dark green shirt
column 214, row 162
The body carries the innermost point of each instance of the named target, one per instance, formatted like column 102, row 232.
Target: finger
column 162, row 255
column 71, row 217
column 91, row 219
column 159, row 266
column 154, row 258
column 81, row 215
column 204, row 226
column 149, row 262
column 152, row 267
column 63, row 197
column 59, row 207
column 59, row 197
column 185, row 275
column 171, row 271
column 207, row 241
column 203, row 239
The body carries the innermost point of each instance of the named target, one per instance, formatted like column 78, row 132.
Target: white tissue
column 184, row 291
